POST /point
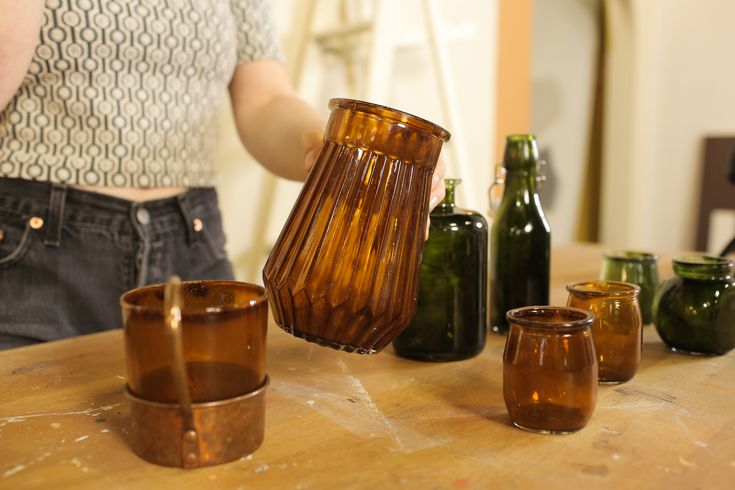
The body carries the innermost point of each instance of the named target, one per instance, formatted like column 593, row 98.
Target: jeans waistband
column 56, row 204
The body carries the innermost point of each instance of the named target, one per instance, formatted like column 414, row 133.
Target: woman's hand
column 437, row 190
column 311, row 142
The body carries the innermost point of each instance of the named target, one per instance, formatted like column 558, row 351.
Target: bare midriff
column 136, row 194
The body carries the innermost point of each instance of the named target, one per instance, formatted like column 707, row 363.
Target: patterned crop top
column 125, row 93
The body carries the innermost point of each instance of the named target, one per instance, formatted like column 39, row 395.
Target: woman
column 107, row 139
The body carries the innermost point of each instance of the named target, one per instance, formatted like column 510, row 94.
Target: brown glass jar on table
column 618, row 327
column 549, row 369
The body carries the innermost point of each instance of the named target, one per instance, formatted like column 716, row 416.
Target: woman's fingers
column 311, row 142
column 437, row 190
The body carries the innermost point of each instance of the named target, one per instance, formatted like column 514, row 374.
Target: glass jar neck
column 447, row 204
column 520, row 161
column 631, row 257
column 604, row 290
column 520, row 180
column 703, row 268
column 521, row 153
column 551, row 319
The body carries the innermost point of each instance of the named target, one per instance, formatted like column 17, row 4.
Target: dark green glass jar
column 450, row 322
column 694, row 311
column 520, row 239
column 640, row 268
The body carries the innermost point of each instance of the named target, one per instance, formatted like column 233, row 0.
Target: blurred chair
column 730, row 247
column 717, row 187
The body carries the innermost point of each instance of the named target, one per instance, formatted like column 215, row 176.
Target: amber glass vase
column 618, row 326
column 549, row 369
column 344, row 271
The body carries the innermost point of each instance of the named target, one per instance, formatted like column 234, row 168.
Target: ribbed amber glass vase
column 344, row 271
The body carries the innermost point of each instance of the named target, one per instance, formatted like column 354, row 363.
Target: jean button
column 142, row 216
column 35, row 222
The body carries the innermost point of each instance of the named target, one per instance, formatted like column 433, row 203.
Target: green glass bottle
column 450, row 322
column 694, row 311
column 520, row 239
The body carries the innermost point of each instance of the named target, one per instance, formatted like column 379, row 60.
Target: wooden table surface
column 337, row 420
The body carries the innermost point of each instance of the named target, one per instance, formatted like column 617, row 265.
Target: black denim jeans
column 67, row 255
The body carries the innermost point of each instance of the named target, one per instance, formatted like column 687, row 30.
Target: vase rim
column 390, row 113
column 551, row 317
column 616, row 289
column 631, row 256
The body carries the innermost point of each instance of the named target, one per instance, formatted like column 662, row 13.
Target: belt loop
column 183, row 202
column 55, row 217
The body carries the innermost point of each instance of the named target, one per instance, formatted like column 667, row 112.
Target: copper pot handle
column 172, row 311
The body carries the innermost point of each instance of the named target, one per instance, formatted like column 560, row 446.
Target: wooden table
column 337, row 420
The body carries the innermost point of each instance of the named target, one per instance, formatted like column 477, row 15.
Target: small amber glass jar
column 618, row 326
column 550, row 369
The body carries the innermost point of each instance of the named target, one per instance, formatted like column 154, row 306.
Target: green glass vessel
column 640, row 268
column 694, row 311
column 520, row 239
column 451, row 311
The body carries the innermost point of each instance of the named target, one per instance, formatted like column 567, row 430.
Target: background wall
column 670, row 82
column 564, row 57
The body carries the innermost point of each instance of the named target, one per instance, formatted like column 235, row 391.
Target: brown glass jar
column 195, row 355
column 549, row 369
column 224, row 326
column 618, row 326
column 344, row 271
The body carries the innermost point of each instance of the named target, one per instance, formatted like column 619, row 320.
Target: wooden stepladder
column 376, row 23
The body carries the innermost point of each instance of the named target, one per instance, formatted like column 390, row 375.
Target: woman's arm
column 281, row 131
column 20, row 23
